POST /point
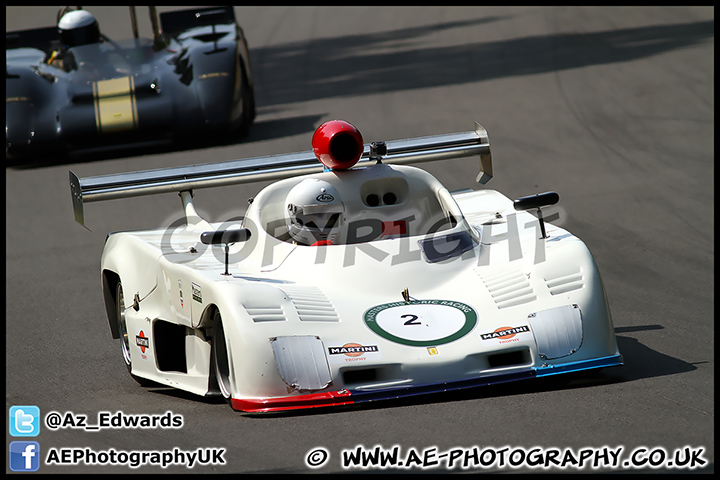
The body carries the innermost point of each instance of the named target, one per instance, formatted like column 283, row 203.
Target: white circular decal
column 422, row 323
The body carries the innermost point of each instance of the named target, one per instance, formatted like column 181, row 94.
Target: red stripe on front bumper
column 294, row 402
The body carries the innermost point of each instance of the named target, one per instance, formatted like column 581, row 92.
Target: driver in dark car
column 78, row 27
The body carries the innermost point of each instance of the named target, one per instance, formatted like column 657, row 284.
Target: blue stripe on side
column 360, row 396
column 611, row 361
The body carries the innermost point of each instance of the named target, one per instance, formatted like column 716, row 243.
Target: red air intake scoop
column 337, row 144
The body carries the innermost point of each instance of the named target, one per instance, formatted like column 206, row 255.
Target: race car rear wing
column 275, row 167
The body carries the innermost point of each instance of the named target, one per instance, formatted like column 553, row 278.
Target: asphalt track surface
column 613, row 108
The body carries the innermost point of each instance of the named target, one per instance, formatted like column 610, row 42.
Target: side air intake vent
column 509, row 288
column 311, row 304
column 565, row 281
column 266, row 314
column 509, row 359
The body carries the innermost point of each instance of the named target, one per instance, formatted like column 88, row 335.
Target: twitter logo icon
column 24, row 421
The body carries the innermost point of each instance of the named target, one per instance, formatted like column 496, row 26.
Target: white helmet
column 78, row 27
column 314, row 212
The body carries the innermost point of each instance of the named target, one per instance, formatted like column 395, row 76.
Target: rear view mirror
column 537, row 201
column 220, row 237
column 225, row 237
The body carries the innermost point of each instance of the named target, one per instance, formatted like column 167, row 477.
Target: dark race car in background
column 191, row 80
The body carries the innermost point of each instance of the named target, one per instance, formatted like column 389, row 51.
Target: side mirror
column 225, row 237
column 220, row 237
column 212, row 17
column 537, row 201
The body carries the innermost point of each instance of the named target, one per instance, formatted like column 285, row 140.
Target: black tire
column 241, row 126
column 122, row 326
column 220, row 364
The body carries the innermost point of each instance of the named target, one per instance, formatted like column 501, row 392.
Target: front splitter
column 354, row 396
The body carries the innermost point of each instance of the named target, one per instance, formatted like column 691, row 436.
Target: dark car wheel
column 241, row 126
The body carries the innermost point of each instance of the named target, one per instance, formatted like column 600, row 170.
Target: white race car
column 355, row 279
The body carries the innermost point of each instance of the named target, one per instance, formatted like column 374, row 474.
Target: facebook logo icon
column 24, row 421
column 24, row 456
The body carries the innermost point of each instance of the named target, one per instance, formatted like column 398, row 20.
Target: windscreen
column 443, row 247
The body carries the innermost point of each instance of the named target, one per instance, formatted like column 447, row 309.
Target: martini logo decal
column 505, row 334
column 422, row 323
column 352, row 349
column 353, row 352
column 143, row 342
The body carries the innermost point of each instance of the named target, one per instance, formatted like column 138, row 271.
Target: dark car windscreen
column 442, row 247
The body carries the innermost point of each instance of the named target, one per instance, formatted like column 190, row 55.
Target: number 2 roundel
column 422, row 323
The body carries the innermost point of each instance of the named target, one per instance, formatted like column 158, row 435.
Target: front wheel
column 220, row 360
column 122, row 326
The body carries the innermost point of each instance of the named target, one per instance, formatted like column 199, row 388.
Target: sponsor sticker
column 505, row 334
column 325, row 198
column 422, row 323
column 143, row 343
column 196, row 292
column 182, row 302
column 353, row 352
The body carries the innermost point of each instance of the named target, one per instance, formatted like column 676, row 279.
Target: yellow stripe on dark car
column 115, row 106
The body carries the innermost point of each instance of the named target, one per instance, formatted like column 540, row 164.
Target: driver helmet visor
column 318, row 217
column 74, row 37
